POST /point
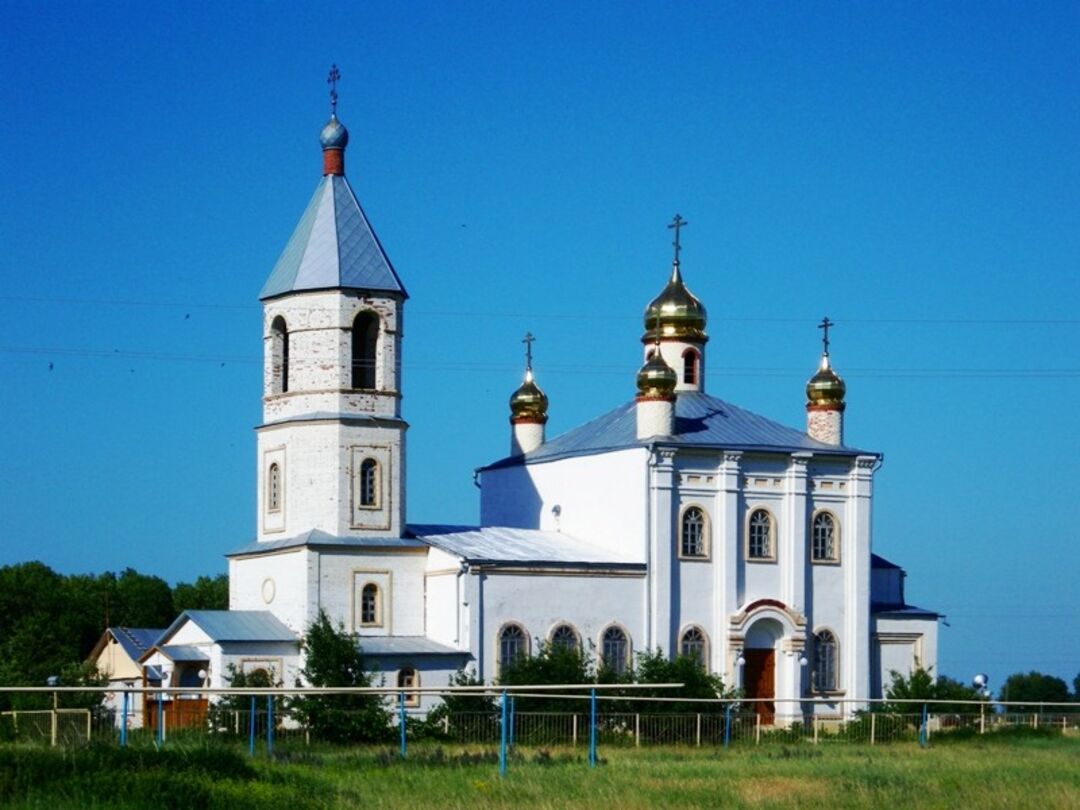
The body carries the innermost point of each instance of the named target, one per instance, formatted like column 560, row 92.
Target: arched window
column 692, row 645
column 693, row 540
column 408, row 678
column 690, row 360
column 365, row 340
column 513, row 644
column 279, row 356
column 615, row 650
column 825, row 674
column 369, row 482
column 273, row 488
column 824, row 540
column 370, row 606
column 565, row 637
column 759, row 542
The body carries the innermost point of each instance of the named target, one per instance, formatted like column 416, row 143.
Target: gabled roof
column 316, row 538
column 700, row 421
column 183, row 652
column 501, row 545
column 333, row 246
column 233, row 625
column 134, row 641
column 393, row 646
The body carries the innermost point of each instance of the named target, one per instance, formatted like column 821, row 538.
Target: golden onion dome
column 677, row 311
column 826, row 387
column 528, row 401
column 656, row 378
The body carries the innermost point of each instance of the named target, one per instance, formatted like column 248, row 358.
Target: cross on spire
column 824, row 326
column 677, row 223
column 332, row 79
column 528, row 341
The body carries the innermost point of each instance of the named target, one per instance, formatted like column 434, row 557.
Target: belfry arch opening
column 365, row 341
column 279, row 356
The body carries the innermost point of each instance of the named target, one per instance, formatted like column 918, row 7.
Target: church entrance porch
column 759, row 681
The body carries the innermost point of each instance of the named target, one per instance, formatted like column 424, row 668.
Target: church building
column 676, row 521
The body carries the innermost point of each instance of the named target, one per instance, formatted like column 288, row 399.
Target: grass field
column 1034, row 771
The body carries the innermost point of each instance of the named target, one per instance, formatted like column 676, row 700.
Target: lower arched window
column 824, row 538
column 759, row 545
column 692, row 645
column 826, row 658
column 693, row 539
column 513, row 644
column 273, row 488
column 370, row 607
column 615, row 650
column 565, row 637
column 408, row 678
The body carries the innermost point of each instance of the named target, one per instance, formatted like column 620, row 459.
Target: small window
column 824, row 676
column 408, row 678
column 513, row 644
column 692, row 645
column 615, row 651
column 369, row 483
column 565, row 637
column 279, row 356
column 693, row 536
column 370, row 606
column 760, row 536
column 365, row 340
column 690, row 367
column 273, row 488
column 824, row 542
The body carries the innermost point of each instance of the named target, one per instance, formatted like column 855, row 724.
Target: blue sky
column 908, row 169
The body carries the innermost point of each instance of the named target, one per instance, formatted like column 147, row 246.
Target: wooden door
column 759, row 681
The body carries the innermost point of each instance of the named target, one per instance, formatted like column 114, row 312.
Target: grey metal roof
column 333, row 246
column 135, row 640
column 390, row 646
column 904, row 611
column 501, row 545
column 316, row 538
column 700, row 421
column 184, row 652
column 234, row 625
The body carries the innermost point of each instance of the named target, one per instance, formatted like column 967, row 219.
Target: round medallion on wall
column 268, row 590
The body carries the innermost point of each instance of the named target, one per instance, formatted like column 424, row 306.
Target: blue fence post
column 592, row 728
column 269, row 724
column 727, row 724
column 923, row 728
column 502, row 745
column 401, row 721
column 161, row 719
column 511, row 721
column 251, row 729
column 123, row 722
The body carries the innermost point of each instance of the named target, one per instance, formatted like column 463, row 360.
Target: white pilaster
column 726, row 565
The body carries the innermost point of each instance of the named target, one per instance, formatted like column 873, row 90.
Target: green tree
column 1034, row 687
column 205, row 593
column 550, row 666
column 652, row 666
column 921, row 686
column 334, row 658
column 231, row 713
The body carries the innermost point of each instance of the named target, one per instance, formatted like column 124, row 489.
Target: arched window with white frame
column 693, row 533
column 824, row 538
column 370, row 605
column 825, row 675
column 693, row 645
column 513, row 644
column 565, row 637
column 408, row 679
column 691, row 367
column 369, row 483
column 760, row 543
column 615, row 650
column 273, row 488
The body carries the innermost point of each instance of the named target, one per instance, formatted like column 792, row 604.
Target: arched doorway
column 759, row 671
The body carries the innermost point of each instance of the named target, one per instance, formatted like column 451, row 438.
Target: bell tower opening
column 365, row 341
column 279, row 356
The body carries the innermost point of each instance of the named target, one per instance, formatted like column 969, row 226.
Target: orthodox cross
column 824, row 326
column 677, row 223
column 332, row 80
column 528, row 341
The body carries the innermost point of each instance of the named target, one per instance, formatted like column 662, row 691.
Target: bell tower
column 332, row 443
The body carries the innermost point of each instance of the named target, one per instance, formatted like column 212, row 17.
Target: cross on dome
column 332, row 79
column 677, row 223
column 528, row 341
column 824, row 326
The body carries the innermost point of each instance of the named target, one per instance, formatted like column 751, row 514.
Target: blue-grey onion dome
column 826, row 387
column 656, row 378
column 334, row 135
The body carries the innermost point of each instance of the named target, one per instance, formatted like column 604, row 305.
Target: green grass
column 996, row 771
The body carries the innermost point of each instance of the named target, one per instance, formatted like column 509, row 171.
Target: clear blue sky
column 910, row 170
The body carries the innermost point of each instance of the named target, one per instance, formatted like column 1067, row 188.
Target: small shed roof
column 397, row 646
column 234, row 625
column 502, row 545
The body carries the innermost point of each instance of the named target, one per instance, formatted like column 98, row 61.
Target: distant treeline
column 49, row 622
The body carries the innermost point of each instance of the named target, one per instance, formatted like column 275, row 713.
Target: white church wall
column 540, row 602
column 400, row 577
column 281, row 659
column 601, row 498
column 442, row 605
column 900, row 645
column 274, row 582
